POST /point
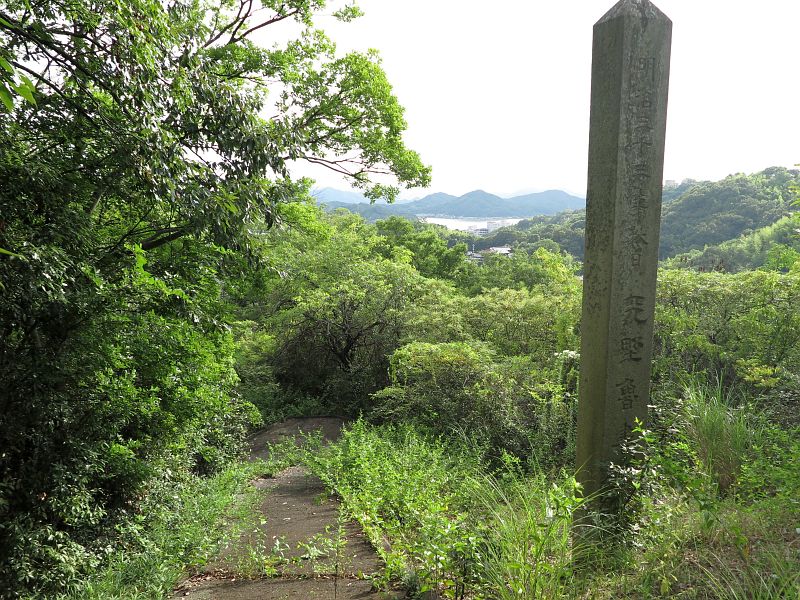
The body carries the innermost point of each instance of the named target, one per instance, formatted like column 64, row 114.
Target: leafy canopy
column 145, row 147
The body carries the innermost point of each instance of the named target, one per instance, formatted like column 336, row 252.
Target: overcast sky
column 497, row 93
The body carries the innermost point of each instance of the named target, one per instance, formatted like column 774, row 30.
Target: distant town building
column 502, row 250
column 491, row 226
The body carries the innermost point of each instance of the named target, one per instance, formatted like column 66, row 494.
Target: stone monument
column 630, row 73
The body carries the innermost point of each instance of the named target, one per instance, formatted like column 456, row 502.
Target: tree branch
column 222, row 31
column 155, row 242
column 275, row 19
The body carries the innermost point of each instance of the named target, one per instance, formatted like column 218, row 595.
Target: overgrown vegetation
column 137, row 169
column 448, row 518
column 471, row 441
column 464, row 458
column 453, row 525
column 165, row 285
column 180, row 527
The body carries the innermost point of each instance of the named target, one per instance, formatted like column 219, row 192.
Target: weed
column 526, row 550
column 722, row 430
column 290, row 452
column 454, row 530
column 175, row 539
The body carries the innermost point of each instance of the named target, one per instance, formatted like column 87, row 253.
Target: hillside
column 711, row 213
column 694, row 215
column 776, row 246
column 474, row 204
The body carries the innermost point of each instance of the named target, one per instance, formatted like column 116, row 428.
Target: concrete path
column 302, row 548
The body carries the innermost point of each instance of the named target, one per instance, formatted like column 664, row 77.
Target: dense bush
column 347, row 294
column 90, row 420
column 744, row 327
column 462, row 389
column 450, row 388
column 454, row 528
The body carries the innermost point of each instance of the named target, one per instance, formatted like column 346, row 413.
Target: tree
column 138, row 166
column 338, row 300
column 744, row 327
column 430, row 253
column 710, row 213
column 203, row 146
column 542, row 269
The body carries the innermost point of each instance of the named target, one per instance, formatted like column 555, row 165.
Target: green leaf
column 27, row 81
column 5, row 96
column 5, row 23
column 26, row 92
column 9, row 253
column 6, row 65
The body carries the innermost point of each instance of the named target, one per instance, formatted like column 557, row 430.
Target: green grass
column 724, row 523
column 153, row 552
column 407, row 491
column 775, row 576
column 527, row 548
column 723, row 430
column 443, row 519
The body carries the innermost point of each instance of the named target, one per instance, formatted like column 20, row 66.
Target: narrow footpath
column 301, row 547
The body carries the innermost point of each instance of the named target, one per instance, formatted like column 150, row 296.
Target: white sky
column 497, row 93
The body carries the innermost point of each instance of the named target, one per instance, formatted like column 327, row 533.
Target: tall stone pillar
column 630, row 73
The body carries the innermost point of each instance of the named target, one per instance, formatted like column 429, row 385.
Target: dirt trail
column 314, row 553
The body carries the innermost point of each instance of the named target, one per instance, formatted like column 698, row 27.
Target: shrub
column 451, row 388
column 743, row 327
column 460, row 388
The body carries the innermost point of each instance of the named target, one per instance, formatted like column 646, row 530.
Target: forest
column 701, row 222
column 168, row 286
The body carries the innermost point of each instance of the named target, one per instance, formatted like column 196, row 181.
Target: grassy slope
column 456, row 525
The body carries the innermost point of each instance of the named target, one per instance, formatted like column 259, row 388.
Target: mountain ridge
column 474, row 204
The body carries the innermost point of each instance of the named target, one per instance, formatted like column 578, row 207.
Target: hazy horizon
column 498, row 98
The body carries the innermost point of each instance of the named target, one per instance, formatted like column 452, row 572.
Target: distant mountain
column 475, row 204
column 550, row 202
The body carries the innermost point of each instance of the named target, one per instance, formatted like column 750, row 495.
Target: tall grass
column 444, row 522
column 722, row 429
column 527, row 550
column 451, row 525
column 151, row 552
column 775, row 579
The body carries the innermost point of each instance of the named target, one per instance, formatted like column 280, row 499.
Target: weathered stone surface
column 643, row 9
column 630, row 74
column 299, row 512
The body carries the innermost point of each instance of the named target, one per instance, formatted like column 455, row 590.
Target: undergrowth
column 715, row 513
column 175, row 532
column 446, row 522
